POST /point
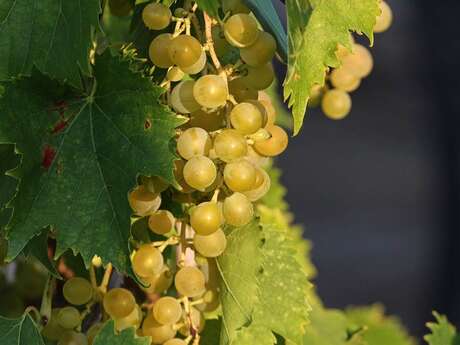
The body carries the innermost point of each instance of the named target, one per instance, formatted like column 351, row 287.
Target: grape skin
column 261, row 52
column 185, row 51
column 240, row 176
column 161, row 222
column 246, row 118
column 200, row 172
column 385, row 19
column 119, row 303
column 158, row 332
column 211, row 91
column 148, row 261
column 230, row 145
column 238, row 210
column 182, row 99
column 194, row 142
column 212, row 245
column 241, row 30
column 336, row 104
column 77, row 291
column 156, row 16
column 68, row 317
column 205, row 218
column 190, row 282
column 167, row 311
column 159, row 51
column 275, row 145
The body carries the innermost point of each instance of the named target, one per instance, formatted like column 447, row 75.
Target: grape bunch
column 356, row 65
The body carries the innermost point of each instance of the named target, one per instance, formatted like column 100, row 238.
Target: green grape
column 358, row 63
column 182, row 99
column 160, row 282
column 241, row 91
column 53, row 330
column 167, row 310
column 385, row 18
column 148, row 261
column 78, row 291
column 234, row 6
column 175, row 74
column 159, row 50
column 198, row 66
column 259, row 78
column 69, row 317
column 120, row 8
column 132, row 320
column 221, row 45
column 230, row 145
column 210, row 301
column 210, row 91
column 261, row 186
column 30, row 279
column 179, row 176
column 238, row 210
column 246, row 118
column 159, row 333
column 316, row 94
column 336, row 104
column 210, row 246
column 161, row 222
column 72, row 338
column 208, row 121
column 343, row 80
column 190, row 282
column 156, row 16
column 119, row 303
column 194, row 142
column 275, row 145
column 261, row 52
column 198, row 322
column 185, row 51
column 206, row 218
column 240, row 176
column 93, row 331
column 200, row 172
column 241, row 30
column 175, row 341
column 143, row 202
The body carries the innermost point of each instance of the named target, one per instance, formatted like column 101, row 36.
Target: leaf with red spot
column 76, row 179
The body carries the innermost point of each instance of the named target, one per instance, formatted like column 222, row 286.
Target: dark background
column 378, row 193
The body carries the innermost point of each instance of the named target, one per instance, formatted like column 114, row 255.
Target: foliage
column 22, row 331
column 442, row 332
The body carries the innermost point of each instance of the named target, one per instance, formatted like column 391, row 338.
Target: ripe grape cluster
column 356, row 65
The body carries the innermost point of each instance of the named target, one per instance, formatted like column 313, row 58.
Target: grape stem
column 33, row 310
column 106, row 278
column 210, row 45
column 48, row 292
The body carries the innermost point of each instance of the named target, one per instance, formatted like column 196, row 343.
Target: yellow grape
column 77, row 291
column 69, row 317
column 385, row 18
column 261, row 52
column 167, row 310
column 240, row 176
column 194, row 142
column 161, row 222
column 132, row 320
column 198, row 66
column 205, row 218
column 238, row 210
column 261, row 186
column 241, row 30
column 190, row 282
column 160, row 282
column 179, row 176
column 234, row 6
column 344, row 80
column 159, row 51
column 211, row 91
column 72, row 338
column 182, row 99
column 200, row 172
column 119, row 303
column 260, row 77
column 270, row 110
column 230, row 145
column 274, row 146
column 336, row 104
column 359, row 62
column 241, row 91
column 159, row 333
column 212, row 245
column 316, row 93
column 185, row 51
column 208, row 121
column 246, row 118
column 175, row 341
column 175, row 74
column 210, row 301
column 255, row 158
column 156, row 16
column 143, row 202
column 148, row 261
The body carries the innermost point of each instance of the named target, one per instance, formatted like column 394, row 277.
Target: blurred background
column 378, row 192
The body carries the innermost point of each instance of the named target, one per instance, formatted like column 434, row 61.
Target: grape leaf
column 8, row 161
column 53, row 35
column 209, row 6
column 442, row 332
column 80, row 157
column 22, row 331
column 379, row 329
column 38, row 248
column 107, row 335
column 256, row 300
column 315, row 30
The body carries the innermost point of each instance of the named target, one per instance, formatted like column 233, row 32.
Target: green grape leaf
column 8, row 161
column 266, row 13
column 315, row 30
column 80, row 157
column 53, row 35
column 38, row 248
column 209, row 6
column 442, row 332
column 107, row 335
column 256, row 300
column 378, row 328
column 275, row 198
column 22, row 331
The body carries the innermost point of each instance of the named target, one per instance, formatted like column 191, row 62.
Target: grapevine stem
column 106, row 278
column 35, row 312
column 215, row 196
column 47, row 299
column 210, row 44
column 92, row 276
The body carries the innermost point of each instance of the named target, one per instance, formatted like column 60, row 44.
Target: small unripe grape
column 211, row 91
column 261, row 52
column 200, row 172
column 77, row 291
column 208, row 121
column 241, row 91
column 241, row 30
column 385, row 18
column 260, row 77
column 238, row 210
column 160, row 282
column 344, row 80
column 246, row 118
column 221, row 45
column 240, row 176
column 185, row 51
column 230, row 145
column 194, row 142
column 159, row 51
column 72, row 338
column 198, row 66
column 336, row 104
column 261, row 186
column 161, row 222
column 119, row 303
column 234, row 6
column 190, row 282
column 175, row 341
column 159, row 333
column 175, row 74
column 359, row 63
column 182, row 99
column 275, row 145
column 167, row 310
column 143, row 202
column 212, row 245
column 205, row 218
column 68, row 317
column 148, row 261
column 156, row 16
column 132, row 320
